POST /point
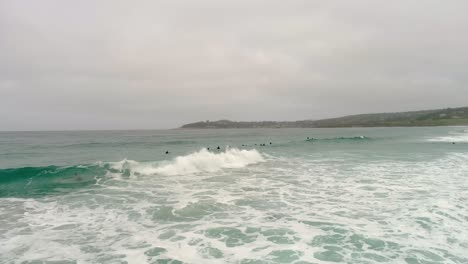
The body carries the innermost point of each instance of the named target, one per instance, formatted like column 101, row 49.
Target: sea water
column 354, row 195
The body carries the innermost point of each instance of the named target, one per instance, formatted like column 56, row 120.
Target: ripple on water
column 284, row 256
column 232, row 237
column 313, row 212
column 210, row 252
column 328, row 255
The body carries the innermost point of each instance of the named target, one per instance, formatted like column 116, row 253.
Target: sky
column 89, row 64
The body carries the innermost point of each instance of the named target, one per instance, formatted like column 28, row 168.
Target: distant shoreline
column 247, row 128
column 425, row 118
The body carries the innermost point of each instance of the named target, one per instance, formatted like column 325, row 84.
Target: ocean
column 348, row 195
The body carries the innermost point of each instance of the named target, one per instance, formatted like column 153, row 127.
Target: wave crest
column 30, row 181
column 458, row 137
column 200, row 161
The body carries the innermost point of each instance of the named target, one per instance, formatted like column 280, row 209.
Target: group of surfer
column 218, row 148
column 243, row 145
column 261, row 144
column 264, row 144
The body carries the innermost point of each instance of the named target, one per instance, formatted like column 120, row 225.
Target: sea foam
column 458, row 137
column 200, row 161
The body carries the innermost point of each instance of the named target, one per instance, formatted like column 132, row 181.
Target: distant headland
column 438, row 117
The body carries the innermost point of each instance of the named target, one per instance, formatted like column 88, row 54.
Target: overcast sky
column 160, row 64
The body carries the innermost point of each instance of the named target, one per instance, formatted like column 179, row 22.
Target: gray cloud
column 159, row 64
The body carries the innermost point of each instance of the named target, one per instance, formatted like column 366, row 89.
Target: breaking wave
column 33, row 181
column 457, row 137
column 197, row 162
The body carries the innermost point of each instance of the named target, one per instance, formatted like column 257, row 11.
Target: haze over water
column 360, row 195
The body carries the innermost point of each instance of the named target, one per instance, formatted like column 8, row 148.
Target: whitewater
column 201, row 161
column 361, row 195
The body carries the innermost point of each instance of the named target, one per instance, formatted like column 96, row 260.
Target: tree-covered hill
column 438, row 117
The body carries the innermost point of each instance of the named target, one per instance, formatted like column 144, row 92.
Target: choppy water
column 374, row 195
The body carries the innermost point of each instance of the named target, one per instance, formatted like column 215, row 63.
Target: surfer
column 167, row 152
column 78, row 177
column 218, row 148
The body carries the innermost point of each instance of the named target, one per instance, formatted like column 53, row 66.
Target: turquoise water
column 360, row 195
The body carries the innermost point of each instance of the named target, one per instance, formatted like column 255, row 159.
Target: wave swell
column 33, row 181
column 356, row 138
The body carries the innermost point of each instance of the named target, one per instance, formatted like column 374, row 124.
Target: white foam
column 455, row 137
column 289, row 192
column 123, row 164
column 200, row 161
column 205, row 161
